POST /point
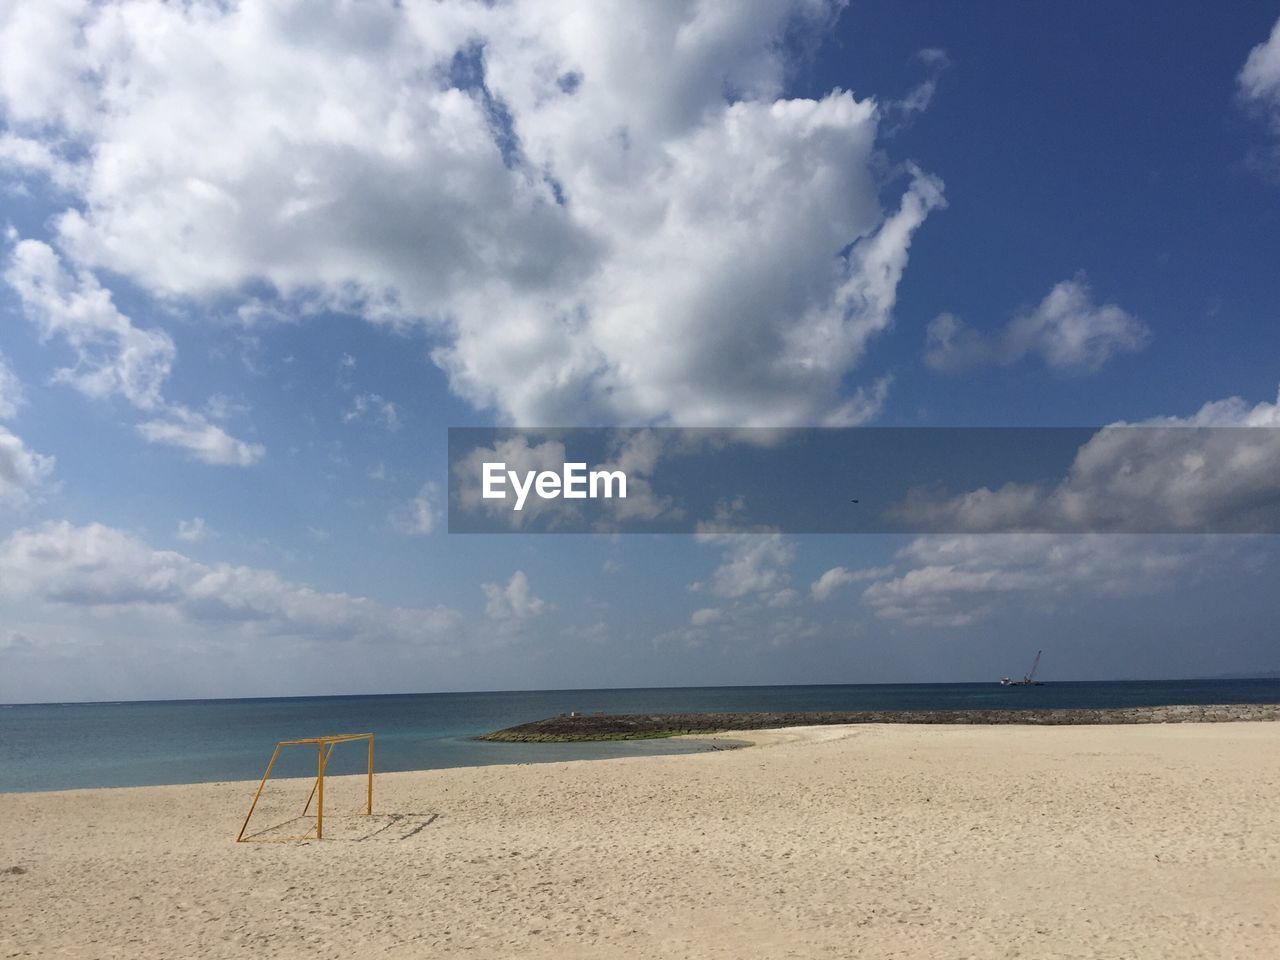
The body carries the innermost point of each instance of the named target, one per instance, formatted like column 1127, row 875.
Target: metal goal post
column 324, row 750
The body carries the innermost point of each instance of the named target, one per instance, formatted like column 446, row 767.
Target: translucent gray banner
column 1115, row 479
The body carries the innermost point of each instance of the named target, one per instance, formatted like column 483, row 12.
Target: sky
column 258, row 259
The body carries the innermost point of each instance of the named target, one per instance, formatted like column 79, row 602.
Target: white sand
column 875, row 841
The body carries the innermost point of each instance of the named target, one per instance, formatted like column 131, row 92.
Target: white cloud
column 24, row 155
column 1153, row 476
column 1068, row 331
column 1231, row 412
column 193, row 530
column 900, row 112
column 221, row 407
column 753, row 578
column 1260, row 77
column 12, row 395
column 783, row 598
column 375, row 407
column 958, row 580
column 205, row 441
column 706, row 616
column 525, row 213
column 113, row 357
column 750, row 564
column 1192, row 479
column 419, row 516
column 730, row 516
column 21, row 470
column 934, row 57
column 742, row 627
column 514, row 600
column 837, row 577
column 104, row 570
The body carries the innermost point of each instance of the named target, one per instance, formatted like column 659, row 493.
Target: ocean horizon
column 61, row 746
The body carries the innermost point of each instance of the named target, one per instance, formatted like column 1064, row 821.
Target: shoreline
column 514, row 755
column 753, row 729
column 587, row 728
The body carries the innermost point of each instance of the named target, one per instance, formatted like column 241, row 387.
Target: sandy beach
column 876, row 841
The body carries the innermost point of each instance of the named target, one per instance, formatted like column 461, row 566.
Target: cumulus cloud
column 1157, row 475
column 706, row 616
column 205, row 441
column 112, row 356
column 12, row 395
column 956, row 581
column 193, row 531
column 25, row 156
column 513, row 600
column 21, row 470
column 1158, row 472
column 750, row 564
column 1067, row 331
column 105, row 570
column 835, row 578
column 741, row 627
column 374, row 407
column 513, row 177
column 419, row 516
column 1259, row 78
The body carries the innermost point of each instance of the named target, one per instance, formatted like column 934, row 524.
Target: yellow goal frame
column 324, row 749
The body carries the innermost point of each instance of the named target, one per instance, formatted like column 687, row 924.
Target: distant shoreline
column 567, row 728
column 136, row 744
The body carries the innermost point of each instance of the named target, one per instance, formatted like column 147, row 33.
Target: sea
column 61, row 746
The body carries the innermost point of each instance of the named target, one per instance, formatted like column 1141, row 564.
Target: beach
column 887, row 841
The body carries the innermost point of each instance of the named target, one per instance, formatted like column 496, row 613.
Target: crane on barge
column 1029, row 680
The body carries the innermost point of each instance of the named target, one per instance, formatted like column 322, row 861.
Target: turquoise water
column 62, row 746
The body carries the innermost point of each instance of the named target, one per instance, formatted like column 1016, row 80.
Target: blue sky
column 257, row 265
